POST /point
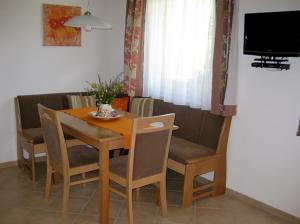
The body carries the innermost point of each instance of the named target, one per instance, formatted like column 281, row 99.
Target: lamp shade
column 88, row 22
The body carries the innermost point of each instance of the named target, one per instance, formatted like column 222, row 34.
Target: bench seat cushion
column 35, row 135
column 182, row 150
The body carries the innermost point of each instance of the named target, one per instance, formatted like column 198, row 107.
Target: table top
column 94, row 135
column 90, row 134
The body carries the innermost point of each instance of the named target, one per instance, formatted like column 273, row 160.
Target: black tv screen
column 272, row 34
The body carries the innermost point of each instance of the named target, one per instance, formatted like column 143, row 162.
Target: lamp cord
column 88, row 6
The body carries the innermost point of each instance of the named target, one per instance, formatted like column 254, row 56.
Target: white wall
column 27, row 67
column 263, row 151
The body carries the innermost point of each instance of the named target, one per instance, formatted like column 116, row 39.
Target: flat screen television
column 272, row 34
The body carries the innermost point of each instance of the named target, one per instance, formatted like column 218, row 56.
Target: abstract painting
column 55, row 33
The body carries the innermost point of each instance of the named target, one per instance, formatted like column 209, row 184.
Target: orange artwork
column 55, row 33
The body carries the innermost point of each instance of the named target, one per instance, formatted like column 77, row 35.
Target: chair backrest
column 149, row 149
column 53, row 137
column 79, row 101
column 141, row 106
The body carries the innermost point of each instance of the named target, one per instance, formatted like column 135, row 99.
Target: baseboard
column 263, row 206
column 8, row 164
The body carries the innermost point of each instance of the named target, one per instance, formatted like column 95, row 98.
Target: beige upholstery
column 77, row 101
column 146, row 162
column 141, row 106
column 74, row 160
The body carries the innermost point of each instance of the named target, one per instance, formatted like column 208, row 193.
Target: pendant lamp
column 88, row 21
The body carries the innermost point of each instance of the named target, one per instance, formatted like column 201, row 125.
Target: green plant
column 105, row 92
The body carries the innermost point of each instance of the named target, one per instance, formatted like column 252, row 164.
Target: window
column 178, row 54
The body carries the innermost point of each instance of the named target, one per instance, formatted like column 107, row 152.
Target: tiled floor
column 22, row 202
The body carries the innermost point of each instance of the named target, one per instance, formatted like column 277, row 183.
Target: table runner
column 121, row 125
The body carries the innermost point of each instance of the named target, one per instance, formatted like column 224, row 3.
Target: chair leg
column 157, row 195
column 23, row 162
column 117, row 152
column 137, row 193
column 188, row 187
column 83, row 176
column 48, row 180
column 66, row 192
column 32, row 163
column 20, row 152
column 129, row 206
column 163, row 197
column 220, row 177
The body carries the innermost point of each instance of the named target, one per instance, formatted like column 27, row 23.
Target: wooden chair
column 191, row 160
column 74, row 160
column 138, row 107
column 146, row 162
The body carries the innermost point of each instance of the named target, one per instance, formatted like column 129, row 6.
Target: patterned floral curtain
column 133, row 52
column 224, row 15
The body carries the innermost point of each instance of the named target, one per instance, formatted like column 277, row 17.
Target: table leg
column 104, row 184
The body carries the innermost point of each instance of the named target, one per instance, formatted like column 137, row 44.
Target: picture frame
column 54, row 31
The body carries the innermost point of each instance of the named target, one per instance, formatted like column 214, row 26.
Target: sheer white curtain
column 178, row 54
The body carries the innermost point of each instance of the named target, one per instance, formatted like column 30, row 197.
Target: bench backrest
column 27, row 106
column 195, row 125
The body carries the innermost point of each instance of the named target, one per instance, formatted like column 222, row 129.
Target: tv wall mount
column 279, row 63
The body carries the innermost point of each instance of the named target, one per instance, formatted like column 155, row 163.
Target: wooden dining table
column 102, row 139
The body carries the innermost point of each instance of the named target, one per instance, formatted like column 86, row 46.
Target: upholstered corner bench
column 199, row 146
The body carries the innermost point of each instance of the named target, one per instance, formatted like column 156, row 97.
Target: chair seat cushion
column 182, row 150
column 80, row 155
column 118, row 165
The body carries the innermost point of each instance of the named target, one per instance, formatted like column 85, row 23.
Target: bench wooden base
column 215, row 163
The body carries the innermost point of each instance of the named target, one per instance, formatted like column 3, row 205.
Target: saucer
column 113, row 116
